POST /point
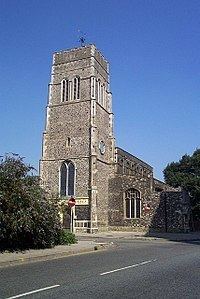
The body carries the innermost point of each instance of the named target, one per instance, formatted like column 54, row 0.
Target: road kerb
column 57, row 255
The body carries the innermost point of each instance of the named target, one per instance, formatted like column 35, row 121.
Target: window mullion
column 65, row 91
column 76, row 97
column 67, row 180
column 70, row 90
column 78, row 89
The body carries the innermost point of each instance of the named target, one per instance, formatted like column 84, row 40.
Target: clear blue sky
column 154, row 52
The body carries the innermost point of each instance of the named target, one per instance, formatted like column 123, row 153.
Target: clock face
column 102, row 147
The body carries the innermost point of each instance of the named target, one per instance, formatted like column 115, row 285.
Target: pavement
column 177, row 237
column 89, row 243
column 34, row 255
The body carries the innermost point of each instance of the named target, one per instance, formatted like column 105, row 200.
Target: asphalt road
column 132, row 269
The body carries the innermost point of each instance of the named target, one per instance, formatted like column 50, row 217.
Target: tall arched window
column 76, row 88
column 63, row 179
column 93, row 87
column 64, row 90
column 98, row 90
column 67, row 179
column 132, row 204
column 103, row 95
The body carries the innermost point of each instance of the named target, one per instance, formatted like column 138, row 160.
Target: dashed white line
column 132, row 266
column 33, row 292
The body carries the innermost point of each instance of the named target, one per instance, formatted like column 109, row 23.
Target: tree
column 27, row 218
column 186, row 174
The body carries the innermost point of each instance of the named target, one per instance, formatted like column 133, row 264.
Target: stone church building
column 113, row 189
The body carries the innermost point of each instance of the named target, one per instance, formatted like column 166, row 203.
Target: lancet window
column 93, row 87
column 65, row 90
column 77, row 88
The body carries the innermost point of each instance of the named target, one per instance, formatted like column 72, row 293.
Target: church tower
column 78, row 142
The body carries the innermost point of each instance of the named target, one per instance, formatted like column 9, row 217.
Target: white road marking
column 33, row 292
column 132, row 266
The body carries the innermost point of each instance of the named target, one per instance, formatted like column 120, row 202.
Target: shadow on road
column 191, row 238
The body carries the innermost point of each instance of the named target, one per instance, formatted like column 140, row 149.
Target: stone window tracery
column 67, row 179
column 132, row 204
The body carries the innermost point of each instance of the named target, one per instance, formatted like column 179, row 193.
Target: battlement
column 80, row 53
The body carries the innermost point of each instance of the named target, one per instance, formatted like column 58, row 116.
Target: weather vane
column 81, row 38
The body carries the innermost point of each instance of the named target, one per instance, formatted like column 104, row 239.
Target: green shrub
column 27, row 218
column 65, row 237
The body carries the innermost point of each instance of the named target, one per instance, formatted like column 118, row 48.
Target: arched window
column 103, row 95
column 63, row 179
column 64, row 90
column 76, row 88
column 67, row 179
column 132, row 204
column 98, row 90
column 71, row 177
column 93, row 87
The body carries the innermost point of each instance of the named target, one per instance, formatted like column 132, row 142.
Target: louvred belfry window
column 98, row 90
column 77, row 88
column 93, row 87
column 64, row 90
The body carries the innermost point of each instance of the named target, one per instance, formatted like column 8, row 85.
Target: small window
column 132, row 204
column 68, row 142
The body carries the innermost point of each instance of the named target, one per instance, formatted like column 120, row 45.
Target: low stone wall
column 172, row 213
